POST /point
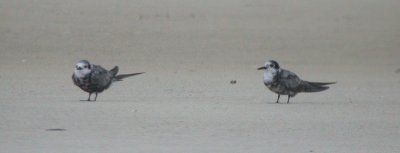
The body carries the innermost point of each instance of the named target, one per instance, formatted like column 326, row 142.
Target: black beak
column 262, row 68
column 78, row 68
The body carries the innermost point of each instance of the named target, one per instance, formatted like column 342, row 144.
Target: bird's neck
column 81, row 75
column 270, row 76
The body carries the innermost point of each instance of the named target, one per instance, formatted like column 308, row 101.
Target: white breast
column 81, row 73
column 77, row 74
column 268, row 77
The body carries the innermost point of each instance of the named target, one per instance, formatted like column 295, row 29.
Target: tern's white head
column 82, row 68
column 271, row 70
column 271, row 66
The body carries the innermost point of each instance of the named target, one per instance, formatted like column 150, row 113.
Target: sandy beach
column 190, row 51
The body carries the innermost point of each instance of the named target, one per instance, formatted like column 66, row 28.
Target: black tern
column 285, row 82
column 94, row 78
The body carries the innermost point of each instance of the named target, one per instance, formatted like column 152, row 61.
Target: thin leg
column 277, row 101
column 88, row 99
column 288, row 97
column 95, row 97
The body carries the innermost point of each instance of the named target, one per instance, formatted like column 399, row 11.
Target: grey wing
column 74, row 80
column 100, row 78
column 290, row 81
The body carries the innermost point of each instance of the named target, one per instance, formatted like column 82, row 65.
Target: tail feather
column 122, row 76
column 321, row 83
column 316, row 86
column 114, row 71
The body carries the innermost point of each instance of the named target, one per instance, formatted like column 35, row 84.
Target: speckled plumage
column 285, row 82
column 94, row 78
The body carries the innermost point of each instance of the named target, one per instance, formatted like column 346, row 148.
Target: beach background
column 190, row 51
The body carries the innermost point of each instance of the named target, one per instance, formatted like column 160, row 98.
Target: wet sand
column 190, row 51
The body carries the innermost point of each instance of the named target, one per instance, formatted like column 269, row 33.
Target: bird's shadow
column 296, row 103
column 87, row 100
column 107, row 101
column 56, row 129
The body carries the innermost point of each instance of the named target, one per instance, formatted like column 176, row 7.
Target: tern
column 94, row 78
column 285, row 82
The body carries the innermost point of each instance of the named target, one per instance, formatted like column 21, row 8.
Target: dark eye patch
column 274, row 64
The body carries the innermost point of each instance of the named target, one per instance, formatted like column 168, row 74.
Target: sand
column 190, row 51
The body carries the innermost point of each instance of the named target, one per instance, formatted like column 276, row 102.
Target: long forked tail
column 122, row 76
column 316, row 86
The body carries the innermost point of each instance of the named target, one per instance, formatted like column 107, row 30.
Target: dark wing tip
column 122, row 76
column 321, row 83
column 314, row 88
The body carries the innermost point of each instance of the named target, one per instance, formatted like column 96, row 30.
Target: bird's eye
column 272, row 65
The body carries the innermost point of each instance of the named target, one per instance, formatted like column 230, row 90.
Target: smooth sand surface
column 190, row 51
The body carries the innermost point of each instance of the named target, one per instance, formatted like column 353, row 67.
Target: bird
column 285, row 82
column 95, row 79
